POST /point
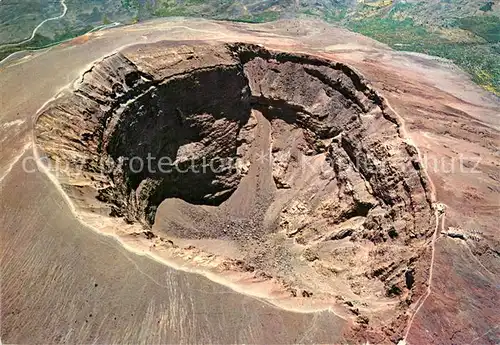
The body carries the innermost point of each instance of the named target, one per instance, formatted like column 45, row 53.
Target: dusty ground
column 464, row 286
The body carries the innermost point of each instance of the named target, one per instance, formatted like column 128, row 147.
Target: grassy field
column 480, row 57
column 472, row 42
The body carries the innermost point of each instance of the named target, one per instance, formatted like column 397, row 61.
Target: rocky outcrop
column 305, row 164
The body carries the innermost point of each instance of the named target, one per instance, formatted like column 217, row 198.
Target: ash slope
column 327, row 196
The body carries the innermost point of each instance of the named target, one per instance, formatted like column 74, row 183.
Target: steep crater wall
column 304, row 162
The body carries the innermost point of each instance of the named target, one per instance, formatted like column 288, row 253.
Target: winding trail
column 98, row 28
column 438, row 212
column 65, row 10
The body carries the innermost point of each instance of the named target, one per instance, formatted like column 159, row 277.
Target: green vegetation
column 130, row 4
column 467, row 33
column 480, row 59
column 335, row 15
column 105, row 20
column 171, row 12
column 267, row 16
column 487, row 27
column 40, row 42
column 487, row 6
column 471, row 42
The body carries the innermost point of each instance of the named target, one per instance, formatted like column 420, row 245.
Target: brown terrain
column 330, row 189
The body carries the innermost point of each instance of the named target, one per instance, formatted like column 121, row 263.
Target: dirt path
column 439, row 214
column 14, row 162
column 65, row 10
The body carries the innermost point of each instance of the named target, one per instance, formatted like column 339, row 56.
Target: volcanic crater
column 293, row 160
